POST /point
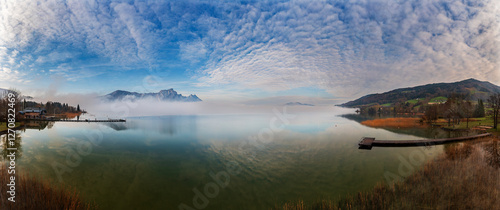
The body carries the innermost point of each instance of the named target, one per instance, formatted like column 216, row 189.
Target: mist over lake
column 260, row 105
column 159, row 162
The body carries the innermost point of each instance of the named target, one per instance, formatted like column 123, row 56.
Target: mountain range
column 297, row 104
column 163, row 95
column 471, row 88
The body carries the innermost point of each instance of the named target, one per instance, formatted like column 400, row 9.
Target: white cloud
column 12, row 77
column 346, row 48
column 358, row 47
column 73, row 74
column 112, row 31
column 193, row 52
column 55, row 57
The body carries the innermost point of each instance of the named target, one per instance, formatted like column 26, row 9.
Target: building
column 33, row 113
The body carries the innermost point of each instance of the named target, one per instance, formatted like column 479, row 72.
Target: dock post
column 366, row 143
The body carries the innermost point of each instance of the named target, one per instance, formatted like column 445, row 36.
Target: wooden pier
column 85, row 120
column 369, row 142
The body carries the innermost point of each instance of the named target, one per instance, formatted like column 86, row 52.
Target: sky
column 246, row 50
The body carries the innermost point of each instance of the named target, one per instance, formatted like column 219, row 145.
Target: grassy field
column 441, row 99
column 413, row 101
column 473, row 122
column 465, row 176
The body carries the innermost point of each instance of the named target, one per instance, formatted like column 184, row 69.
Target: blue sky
column 246, row 49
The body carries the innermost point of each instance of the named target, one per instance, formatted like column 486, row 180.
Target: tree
column 4, row 104
column 494, row 103
column 453, row 109
column 78, row 108
column 479, row 111
column 431, row 114
column 372, row 111
column 467, row 110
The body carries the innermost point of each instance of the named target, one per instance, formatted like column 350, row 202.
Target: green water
column 162, row 162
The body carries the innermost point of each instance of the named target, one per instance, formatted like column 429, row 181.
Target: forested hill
column 471, row 88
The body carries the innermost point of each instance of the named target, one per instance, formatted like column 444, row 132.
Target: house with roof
column 33, row 113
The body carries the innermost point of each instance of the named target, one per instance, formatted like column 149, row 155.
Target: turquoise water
column 214, row 161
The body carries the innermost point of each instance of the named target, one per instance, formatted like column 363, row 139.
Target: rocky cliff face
column 163, row 95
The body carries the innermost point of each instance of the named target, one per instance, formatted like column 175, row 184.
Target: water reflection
column 429, row 132
column 156, row 162
column 17, row 144
column 167, row 125
column 39, row 125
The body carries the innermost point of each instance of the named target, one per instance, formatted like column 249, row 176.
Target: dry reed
column 466, row 176
column 31, row 193
column 394, row 122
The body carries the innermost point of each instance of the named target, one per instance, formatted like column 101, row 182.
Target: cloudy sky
column 335, row 50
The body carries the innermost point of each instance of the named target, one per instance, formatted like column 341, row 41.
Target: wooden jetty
column 85, row 120
column 369, row 142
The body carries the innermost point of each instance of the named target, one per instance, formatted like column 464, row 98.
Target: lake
column 247, row 161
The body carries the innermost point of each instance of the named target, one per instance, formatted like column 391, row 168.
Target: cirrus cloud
column 347, row 48
column 357, row 47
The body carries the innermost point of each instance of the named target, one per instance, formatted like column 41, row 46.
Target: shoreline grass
column 465, row 176
column 412, row 122
column 473, row 122
column 397, row 122
column 32, row 193
column 3, row 126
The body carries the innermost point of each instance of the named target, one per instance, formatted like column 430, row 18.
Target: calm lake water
column 163, row 162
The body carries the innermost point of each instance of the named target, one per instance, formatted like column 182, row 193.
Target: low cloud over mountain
column 163, row 95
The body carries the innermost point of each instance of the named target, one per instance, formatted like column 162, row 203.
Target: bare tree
column 431, row 114
column 4, row 103
column 467, row 110
column 494, row 103
column 3, row 107
column 453, row 113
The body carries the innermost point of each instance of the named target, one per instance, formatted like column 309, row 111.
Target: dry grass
column 394, row 123
column 35, row 194
column 466, row 176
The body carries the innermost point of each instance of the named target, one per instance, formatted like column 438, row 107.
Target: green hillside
column 431, row 93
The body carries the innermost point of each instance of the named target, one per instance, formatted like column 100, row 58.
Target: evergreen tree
column 78, row 108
